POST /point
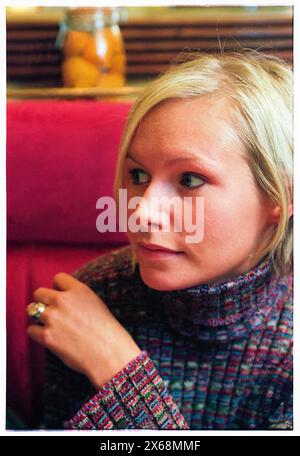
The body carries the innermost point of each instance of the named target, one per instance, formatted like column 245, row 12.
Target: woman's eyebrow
column 200, row 160
column 134, row 159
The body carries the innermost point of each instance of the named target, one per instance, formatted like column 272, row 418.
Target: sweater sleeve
column 135, row 398
column 282, row 418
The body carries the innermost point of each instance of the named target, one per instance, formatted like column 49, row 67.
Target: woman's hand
column 80, row 329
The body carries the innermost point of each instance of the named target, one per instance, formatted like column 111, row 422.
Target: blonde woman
column 169, row 333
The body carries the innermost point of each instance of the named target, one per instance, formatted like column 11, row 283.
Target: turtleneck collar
column 220, row 312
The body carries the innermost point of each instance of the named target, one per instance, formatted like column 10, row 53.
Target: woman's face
column 189, row 148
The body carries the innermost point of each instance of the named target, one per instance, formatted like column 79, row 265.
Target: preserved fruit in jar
column 93, row 48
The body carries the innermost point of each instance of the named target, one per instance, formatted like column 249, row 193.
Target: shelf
column 71, row 93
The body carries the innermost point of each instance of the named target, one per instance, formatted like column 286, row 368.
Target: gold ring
column 35, row 310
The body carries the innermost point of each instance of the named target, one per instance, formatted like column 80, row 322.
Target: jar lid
column 89, row 10
column 107, row 14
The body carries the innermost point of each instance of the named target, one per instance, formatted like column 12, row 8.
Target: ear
column 275, row 215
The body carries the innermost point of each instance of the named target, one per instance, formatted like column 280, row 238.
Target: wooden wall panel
column 150, row 46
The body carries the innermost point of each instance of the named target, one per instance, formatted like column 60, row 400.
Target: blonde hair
column 260, row 90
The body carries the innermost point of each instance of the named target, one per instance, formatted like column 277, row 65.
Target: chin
column 158, row 281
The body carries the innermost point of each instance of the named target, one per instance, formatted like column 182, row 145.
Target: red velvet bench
column 61, row 158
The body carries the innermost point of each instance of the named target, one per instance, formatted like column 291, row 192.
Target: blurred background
column 127, row 46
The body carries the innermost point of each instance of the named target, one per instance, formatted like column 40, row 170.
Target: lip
column 154, row 251
column 151, row 246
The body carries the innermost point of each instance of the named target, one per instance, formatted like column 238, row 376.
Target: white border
column 98, row 434
column 3, row 219
column 138, row 3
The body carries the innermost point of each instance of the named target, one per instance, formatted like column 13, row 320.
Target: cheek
column 134, row 191
column 234, row 218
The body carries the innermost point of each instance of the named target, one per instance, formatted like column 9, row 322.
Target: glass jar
column 93, row 48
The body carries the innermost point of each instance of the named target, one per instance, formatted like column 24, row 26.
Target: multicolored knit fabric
column 212, row 357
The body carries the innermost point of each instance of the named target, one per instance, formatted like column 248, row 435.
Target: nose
column 153, row 210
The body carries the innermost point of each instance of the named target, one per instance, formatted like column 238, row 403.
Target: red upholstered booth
column 61, row 158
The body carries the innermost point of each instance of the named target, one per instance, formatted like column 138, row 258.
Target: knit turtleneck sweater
column 212, row 356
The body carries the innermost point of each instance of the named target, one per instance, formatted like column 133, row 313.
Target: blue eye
column 191, row 180
column 138, row 176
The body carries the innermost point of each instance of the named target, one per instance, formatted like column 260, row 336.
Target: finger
column 36, row 333
column 43, row 317
column 63, row 281
column 45, row 295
